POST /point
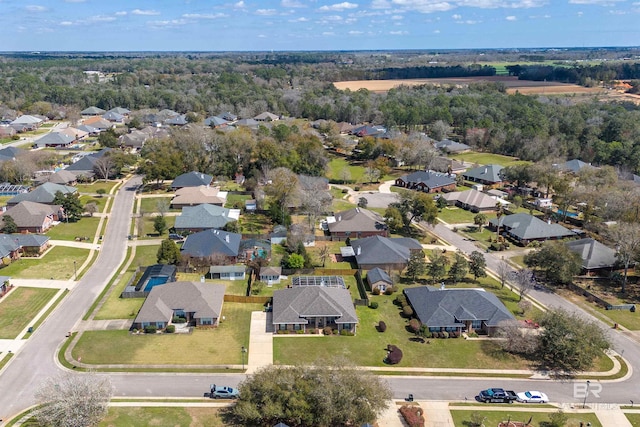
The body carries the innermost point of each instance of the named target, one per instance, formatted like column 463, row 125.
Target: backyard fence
column 247, row 299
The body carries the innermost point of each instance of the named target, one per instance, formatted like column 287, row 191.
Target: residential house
column 76, row 134
column 356, row 223
column 249, row 123
column 202, row 194
column 199, row 303
column 85, row 166
column 98, row 123
column 313, row 307
column 113, row 117
column 55, row 139
column 44, row 193
column 278, row 235
column 212, row 244
column 595, row 256
column 251, row 249
column 526, row 228
column 31, row 122
column 452, row 147
column 366, row 130
column 215, row 122
column 487, row 175
column 7, row 131
column 228, row 272
column 446, row 165
column 120, row 110
column 266, row 117
column 13, row 245
column 92, row 111
column 457, row 310
column 62, row 177
column 427, row 181
column 228, row 116
column 9, row 249
column 191, row 179
column 383, row 252
column 472, row 200
column 31, row 217
column 379, row 279
column 573, row 166
column 204, row 217
column 93, row 131
column 179, row 120
column 270, row 275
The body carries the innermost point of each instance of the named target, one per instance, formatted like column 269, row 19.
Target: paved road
column 35, row 361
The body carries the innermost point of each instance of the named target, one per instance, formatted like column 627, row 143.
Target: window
column 161, row 325
column 282, row 327
column 179, row 313
column 206, row 321
column 297, row 327
column 476, row 324
column 450, row 329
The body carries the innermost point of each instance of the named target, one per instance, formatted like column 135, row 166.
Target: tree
column 73, row 400
column 557, row 261
column 168, row 252
column 294, row 261
column 363, row 202
column 159, row 224
column 324, row 253
column 416, row 206
column 108, row 138
column 437, row 267
column 503, row 272
column 459, row 268
column 316, row 396
column 477, row 265
column 71, row 204
column 517, row 340
column 417, row 265
column 91, row 208
column 162, row 206
column 524, row 281
column 393, row 218
column 626, row 237
column 8, row 224
column 282, row 187
column 480, row 220
column 569, row 342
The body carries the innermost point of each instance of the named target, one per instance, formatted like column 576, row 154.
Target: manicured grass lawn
column 463, row 418
column 150, row 204
column 18, row 308
column 487, row 159
column 86, row 227
column 99, row 201
column 57, row 264
column 454, row 215
column 338, row 164
column 205, row 346
column 634, row 419
column 127, row 308
column 93, row 187
column 148, row 232
column 122, row 416
column 626, row 318
column 232, row 199
column 232, row 287
column 339, row 205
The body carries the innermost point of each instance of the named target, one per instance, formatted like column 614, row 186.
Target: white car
column 532, row 397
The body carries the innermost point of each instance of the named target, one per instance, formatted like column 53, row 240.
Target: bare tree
column 104, row 166
column 324, row 253
column 162, row 206
column 91, row 208
column 503, row 272
column 626, row 237
column 73, row 400
column 524, row 281
column 517, row 339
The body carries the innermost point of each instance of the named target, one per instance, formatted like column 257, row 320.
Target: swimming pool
column 570, row 214
column 155, row 281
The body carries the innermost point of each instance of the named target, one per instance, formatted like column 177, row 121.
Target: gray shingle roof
column 574, row 166
column 451, row 146
column 384, row 250
column 209, row 242
column 30, row 214
column 429, row 178
column 528, row 227
column 376, row 275
column 471, row 198
column 54, row 139
column 44, row 193
column 488, row 173
column 593, row 253
column 449, row 307
column 215, row 121
column 357, row 220
column 203, row 216
column 191, row 179
column 92, row 111
column 294, row 305
column 203, row 299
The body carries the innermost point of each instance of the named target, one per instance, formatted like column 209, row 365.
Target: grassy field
column 86, row 227
column 119, row 416
column 487, row 159
column 205, row 346
column 126, row 308
column 94, row 186
column 18, row 308
column 150, row 204
column 462, row 418
column 455, row 215
column 57, row 264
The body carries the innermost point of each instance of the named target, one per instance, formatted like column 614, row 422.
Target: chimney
column 226, row 238
column 359, row 250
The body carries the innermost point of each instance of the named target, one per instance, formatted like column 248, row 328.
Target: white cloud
column 596, row 2
column 204, row 15
column 398, row 33
column 101, row 18
column 397, row 17
column 36, row 8
column 66, row 23
column 424, row 6
column 169, row 23
column 468, row 22
column 511, row 18
column 265, row 12
column 148, row 12
column 328, row 33
column 301, row 19
column 291, row 3
column 239, row 5
column 121, row 13
column 507, row 4
column 262, row 36
column 338, row 7
column 436, row 31
column 74, row 1
column 618, row 12
column 457, row 17
column 430, row 6
column 356, row 33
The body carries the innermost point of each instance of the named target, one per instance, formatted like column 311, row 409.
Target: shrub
column 150, row 329
column 346, row 333
column 414, row 325
column 445, row 334
column 170, row 329
column 335, row 332
column 382, row 326
column 178, row 320
column 473, row 335
column 400, row 300
column 345, row 191
column 327, row 330
column 412, row 415
column 356, row 188
column 300, row 331
column 394, row 355
column 376, row 291
column 389, row 290
column 373, row 305
column 407, row 311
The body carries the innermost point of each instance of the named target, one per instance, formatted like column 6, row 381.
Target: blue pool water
column 155, row 281
column 571, row 214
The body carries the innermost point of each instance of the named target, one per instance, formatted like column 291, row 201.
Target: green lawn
column 455, row 215
column 18, row 308
column 124, row 308
column 93, row 187
column 86, row 227
column 148, row 232
column 232, row 287
column 150, row 204
column 57, row 264
column 99, row 201
column 462, row 418
column 254, row 223
column 487, row 159
column 122, row 416
column 236, row 200
column 634, row 419
column 338, row 164
column 205, row 346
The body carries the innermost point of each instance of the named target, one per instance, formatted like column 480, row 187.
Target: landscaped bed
column 18, row 308
column 205, row 346
column 57, row 264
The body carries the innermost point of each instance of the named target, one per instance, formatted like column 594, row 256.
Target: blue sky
column 245, row 25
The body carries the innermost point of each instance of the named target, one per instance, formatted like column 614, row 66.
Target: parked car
column 496, row 395
column 175, row 236
column 532, row 397
column 221, row 392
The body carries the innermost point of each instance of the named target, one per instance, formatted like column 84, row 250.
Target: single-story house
column 427, row 181
column 28, row 120
column 473, row 200
column 179, row 120
column 85, row 165
column 595, row 256
column 379, row 279
column 447, row 165
column 204, row 217
column 249, row 123
column 114, row 117
column 266, row 117
column 199, row 303
column 228, row 272
column 62, row 177
column 486, row 175
column 270, row 275
column 278, row 235
column 32, row 217
column 250, row 249
column 191, row 196
column 449, row 146
column 228, row 116
column 120, row 110
column 215, row 122
column 7, row 131
column 92, row 111
column 44, row 193
column 526, row 228
column 457, row 310
column 191, row 179
column 573, row 166
column 303, row 307
column 13, row 245
column 212, row 243
column 55, row 139
column 356, row 223
column 383, row 252
column 76, row 134
column 98, row 123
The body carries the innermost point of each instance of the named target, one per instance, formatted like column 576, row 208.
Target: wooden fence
column 247, row 299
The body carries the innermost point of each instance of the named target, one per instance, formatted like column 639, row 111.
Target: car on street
column 222, row 392
column 532, row 397
column 496, row 395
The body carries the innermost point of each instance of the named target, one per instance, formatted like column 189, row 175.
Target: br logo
column 582, row 390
